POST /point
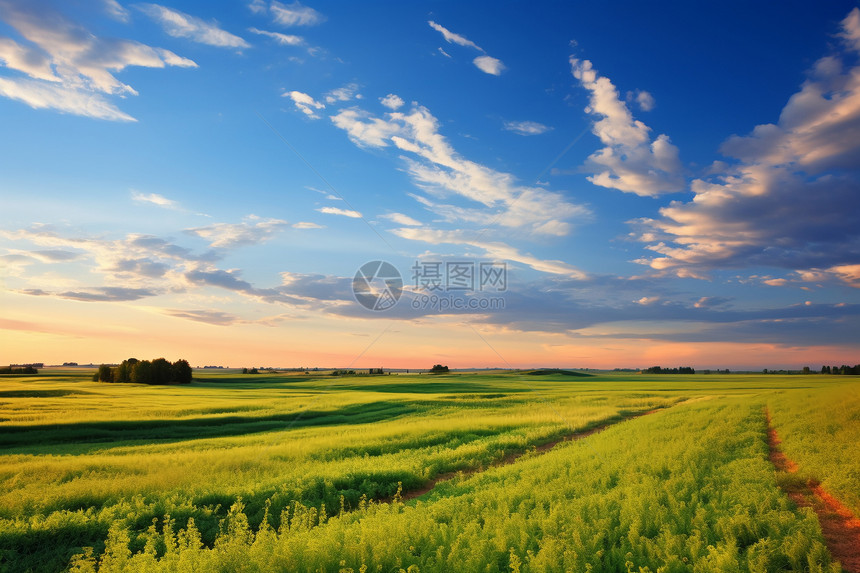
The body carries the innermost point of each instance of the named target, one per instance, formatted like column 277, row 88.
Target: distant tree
column 105, row 374
column 439, row 369
column 182, row 372
column 806, row 369
column 123, row 371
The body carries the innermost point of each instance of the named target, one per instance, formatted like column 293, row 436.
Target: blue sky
column 665, row 183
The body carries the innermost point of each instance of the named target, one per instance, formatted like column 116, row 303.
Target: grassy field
column 280, row 472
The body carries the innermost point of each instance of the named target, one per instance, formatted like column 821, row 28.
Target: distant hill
column 548, row 371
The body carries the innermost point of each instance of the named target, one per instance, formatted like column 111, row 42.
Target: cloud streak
column 181, row 25
column 484, row 62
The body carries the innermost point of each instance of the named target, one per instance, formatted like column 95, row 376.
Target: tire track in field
column 513, row 457
column 841, row 528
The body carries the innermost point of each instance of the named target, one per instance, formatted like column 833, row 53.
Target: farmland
column 302, row 472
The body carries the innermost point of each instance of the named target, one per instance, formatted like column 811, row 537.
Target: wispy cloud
column 70, row 69
column 115, row 10
column 307, row 225
column 338, row 211
column 526, row 127
column 630, row 161
column 344, row 93
column 453, row 38
column 485, row 62
column 295, row 14
column 181, row 25
column 305, row 103
column 401, row 219
column 253, row 230
column 215, row 317
column 98, row 294
column 154, row 199
column 282, row 39
column 493, row 249
column 495, row 198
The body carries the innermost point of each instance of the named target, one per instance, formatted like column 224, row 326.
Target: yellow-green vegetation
column 278, row 472
column 820, row 432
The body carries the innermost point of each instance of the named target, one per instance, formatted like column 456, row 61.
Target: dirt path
column 511, row 458
column 841, row 528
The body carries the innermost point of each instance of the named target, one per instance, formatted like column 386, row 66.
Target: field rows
column 285, row 478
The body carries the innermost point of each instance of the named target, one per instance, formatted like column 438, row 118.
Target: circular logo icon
column 377, row 285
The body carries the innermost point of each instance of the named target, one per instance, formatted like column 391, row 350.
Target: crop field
column 496, row 471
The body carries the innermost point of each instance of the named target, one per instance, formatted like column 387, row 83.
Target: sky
column 556, row 184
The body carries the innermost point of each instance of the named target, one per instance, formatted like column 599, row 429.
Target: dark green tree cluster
column 844, row 370
column 250, row 371
column 439, row 369
column 22, row 370
column 158, row 371
column 659, row 370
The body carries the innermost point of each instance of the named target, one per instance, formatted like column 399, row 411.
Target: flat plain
column 491, row 471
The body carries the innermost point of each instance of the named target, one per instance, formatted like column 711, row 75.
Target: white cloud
column 484, row 62
column 392, row 101
column 453, row 38
column 338, row 211
column 305, row 103
column 493, row 249
column 41, row 95
column 282, row 39
column 253, row 230
column 489, row 65
column 643, row 99
column 295, row 14
column 69, row 68
column 526, row 127
column 631, row 161
column 116, row 11
column 34, row 63
column 401, row 219
column 154, row 199
column 181, row 25
column 364, row 129
column 790, row 200
column 307, row 225
column 345, row 93
column 647, row 300
column 258, row 7
column 436, row 167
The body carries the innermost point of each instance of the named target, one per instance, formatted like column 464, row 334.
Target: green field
column 280, row 472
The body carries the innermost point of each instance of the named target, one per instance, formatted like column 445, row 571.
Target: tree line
column 659, row 370
column 844, row 370
column 158, row 371
column 22, row 370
